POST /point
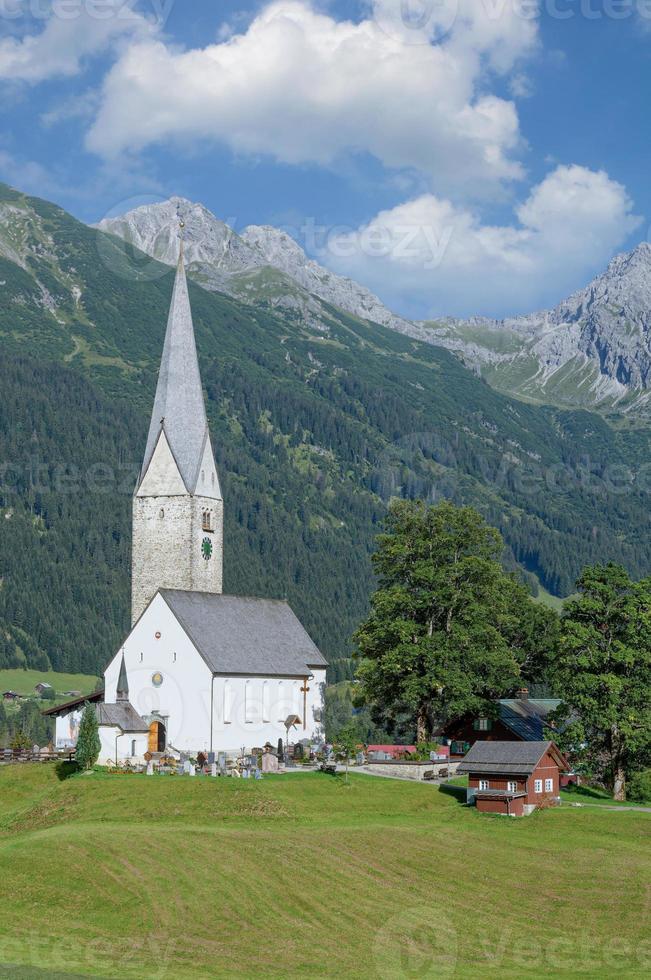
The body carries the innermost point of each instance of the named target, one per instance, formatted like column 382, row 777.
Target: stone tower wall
column 167, row 537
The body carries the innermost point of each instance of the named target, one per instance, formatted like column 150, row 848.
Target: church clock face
column 206, row 549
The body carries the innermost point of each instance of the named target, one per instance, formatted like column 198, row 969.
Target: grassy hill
column 313, row 430
column 24, row 681
column 297, row 875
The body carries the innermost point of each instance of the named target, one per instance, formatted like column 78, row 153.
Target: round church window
column 157, row 679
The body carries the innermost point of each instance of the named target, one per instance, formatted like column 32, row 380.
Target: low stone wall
column 412, row 770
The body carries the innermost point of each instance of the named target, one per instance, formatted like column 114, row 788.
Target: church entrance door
column 156, row 737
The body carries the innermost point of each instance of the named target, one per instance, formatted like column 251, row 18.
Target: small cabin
column 513, row 778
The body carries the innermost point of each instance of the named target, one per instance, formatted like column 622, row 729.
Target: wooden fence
column 28, row 755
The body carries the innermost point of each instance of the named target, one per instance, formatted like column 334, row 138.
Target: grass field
column 301, row 876
column 24, row 681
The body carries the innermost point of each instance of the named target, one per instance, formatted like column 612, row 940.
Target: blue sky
column 456, row 156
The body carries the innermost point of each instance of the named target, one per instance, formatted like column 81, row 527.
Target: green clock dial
column 206, row 549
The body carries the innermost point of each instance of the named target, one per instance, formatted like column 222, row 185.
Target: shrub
column 20, row 742
column 88, row 743
column 639, row 786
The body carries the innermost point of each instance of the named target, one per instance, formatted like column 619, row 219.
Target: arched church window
column 174, row 658
column 266, row 716
column 248, row 701
column 282, row 714
column 161, row 513
column 133, row 747
column 207, row 520
column 228, row 702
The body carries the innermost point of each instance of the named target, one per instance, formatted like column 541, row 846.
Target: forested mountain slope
column 313, row 431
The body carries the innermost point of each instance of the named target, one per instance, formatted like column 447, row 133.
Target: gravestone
column 269, row 762
column 213, row 769
column 188, row 767
column 150, row 767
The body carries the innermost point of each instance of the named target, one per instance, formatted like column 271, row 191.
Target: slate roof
column 123, row 715
column 179, row 404
column 508, row 758
column 242, row 635
column 527, row 718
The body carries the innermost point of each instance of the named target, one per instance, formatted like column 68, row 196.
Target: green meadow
column 24, row 681
column 302, row 876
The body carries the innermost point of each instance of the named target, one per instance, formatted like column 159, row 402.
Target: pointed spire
column 179, row 408
column 122, row 693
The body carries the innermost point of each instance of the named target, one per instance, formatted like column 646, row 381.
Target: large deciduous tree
column 602, row 672
column 449, row 631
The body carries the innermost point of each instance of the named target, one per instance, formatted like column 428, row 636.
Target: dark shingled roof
column 508, row 758
column 122, row 715
column 242, row 635
column 527, row 717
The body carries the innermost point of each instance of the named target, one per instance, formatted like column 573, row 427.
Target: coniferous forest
column 314, row 432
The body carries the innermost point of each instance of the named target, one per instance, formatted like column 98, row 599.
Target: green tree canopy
column 603, row 673
column 449, row 631
column 88, row 743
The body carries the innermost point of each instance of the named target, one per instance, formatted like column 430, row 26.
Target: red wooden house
column 513, row 778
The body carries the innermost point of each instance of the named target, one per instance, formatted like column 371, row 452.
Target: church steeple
column 122, row 693
column 179, row 410
column 177, row 506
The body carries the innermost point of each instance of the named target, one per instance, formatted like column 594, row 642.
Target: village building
column 513, row 778
column 199, row 670
column 517, row 719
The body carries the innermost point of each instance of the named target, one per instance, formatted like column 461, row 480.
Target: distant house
column 513, row 778
column 42, row 687
column 515, row 719
column 385, row 753
column 72, row 694
column 10, row 696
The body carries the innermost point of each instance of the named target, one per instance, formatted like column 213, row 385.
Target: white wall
column 244, row 712
column 130, row 745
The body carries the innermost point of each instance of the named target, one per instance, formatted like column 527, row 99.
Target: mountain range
column 593, row 350
column 316, row 423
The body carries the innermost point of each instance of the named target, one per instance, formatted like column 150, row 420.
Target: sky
column 457, row 157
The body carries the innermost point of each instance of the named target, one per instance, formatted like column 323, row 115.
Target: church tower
column 178, row 511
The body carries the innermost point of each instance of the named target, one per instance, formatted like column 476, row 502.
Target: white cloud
column 303, row 87
column 73, row 32
column 427, row 253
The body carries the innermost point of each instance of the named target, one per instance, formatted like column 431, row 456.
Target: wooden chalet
column 513, row 778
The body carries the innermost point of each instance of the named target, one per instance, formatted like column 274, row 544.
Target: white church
column 200, row 670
